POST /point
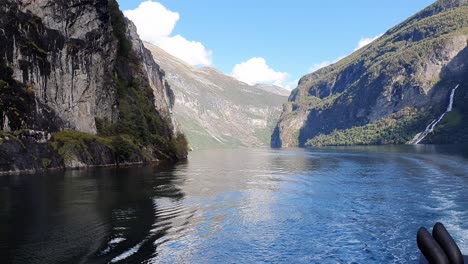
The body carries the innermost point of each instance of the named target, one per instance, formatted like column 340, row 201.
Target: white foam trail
column 127, row 253
column 116, row 240
column 430, row 128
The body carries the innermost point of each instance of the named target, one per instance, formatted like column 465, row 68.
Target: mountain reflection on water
column 331, row 205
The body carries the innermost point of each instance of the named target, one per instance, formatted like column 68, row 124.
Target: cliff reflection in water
column 76, row 215
column 359, row 204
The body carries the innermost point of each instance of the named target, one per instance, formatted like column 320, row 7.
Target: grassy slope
column 405, row 44
column 396, row 129
column 402, row 44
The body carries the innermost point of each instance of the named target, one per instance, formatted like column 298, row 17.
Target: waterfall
column 6, row 123
column 430, row 128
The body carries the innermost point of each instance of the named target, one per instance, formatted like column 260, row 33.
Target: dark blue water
column 338, row 205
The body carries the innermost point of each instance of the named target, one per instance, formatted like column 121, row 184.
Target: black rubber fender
column 430, row 248
column 423, row 260
column 446, row 242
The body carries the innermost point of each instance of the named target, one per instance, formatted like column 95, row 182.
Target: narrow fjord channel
column 335, row 205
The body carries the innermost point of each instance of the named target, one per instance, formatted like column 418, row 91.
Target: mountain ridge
column 217, row 110
column 399, row 73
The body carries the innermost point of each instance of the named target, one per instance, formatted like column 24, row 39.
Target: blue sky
column 269, row 41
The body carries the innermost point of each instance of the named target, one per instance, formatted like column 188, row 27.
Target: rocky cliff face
column 216, row 110
column 62, row 50
column 385, row 92
column 163, row 94
column 80, row 66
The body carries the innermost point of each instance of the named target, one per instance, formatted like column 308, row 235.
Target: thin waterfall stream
column 430, row 128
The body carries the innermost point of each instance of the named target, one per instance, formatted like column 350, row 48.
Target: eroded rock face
column 64, row 51
column 410, row 67
column 79, row 66
column 163, row 94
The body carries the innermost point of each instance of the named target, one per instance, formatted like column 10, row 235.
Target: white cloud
column 291, row 85
column 256, row 71
column 324, row 64
column 319, row 66
column 362, row 43
column 366, row 41
column 153, row 20
column 155, row 24
column 192, row 52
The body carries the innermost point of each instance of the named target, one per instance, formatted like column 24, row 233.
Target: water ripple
column 338, row 205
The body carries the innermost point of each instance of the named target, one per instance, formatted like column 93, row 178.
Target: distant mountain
column 216, row 110
column 389, row 91
column 273, row 89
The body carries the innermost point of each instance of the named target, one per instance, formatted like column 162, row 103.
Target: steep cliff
column 386, row 92
column 79, row 66
column 216, row 110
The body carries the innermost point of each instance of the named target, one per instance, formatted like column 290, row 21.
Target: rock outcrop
column 216, row 110
column 163, row 94
column 80, row 66
column 386, row 92
column 63, row 52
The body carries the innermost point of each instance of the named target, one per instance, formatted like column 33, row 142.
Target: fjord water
column 335, row 205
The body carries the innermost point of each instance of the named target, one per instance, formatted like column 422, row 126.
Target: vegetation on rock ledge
column 139, row 121
column 397, row 129
column 139, row 134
